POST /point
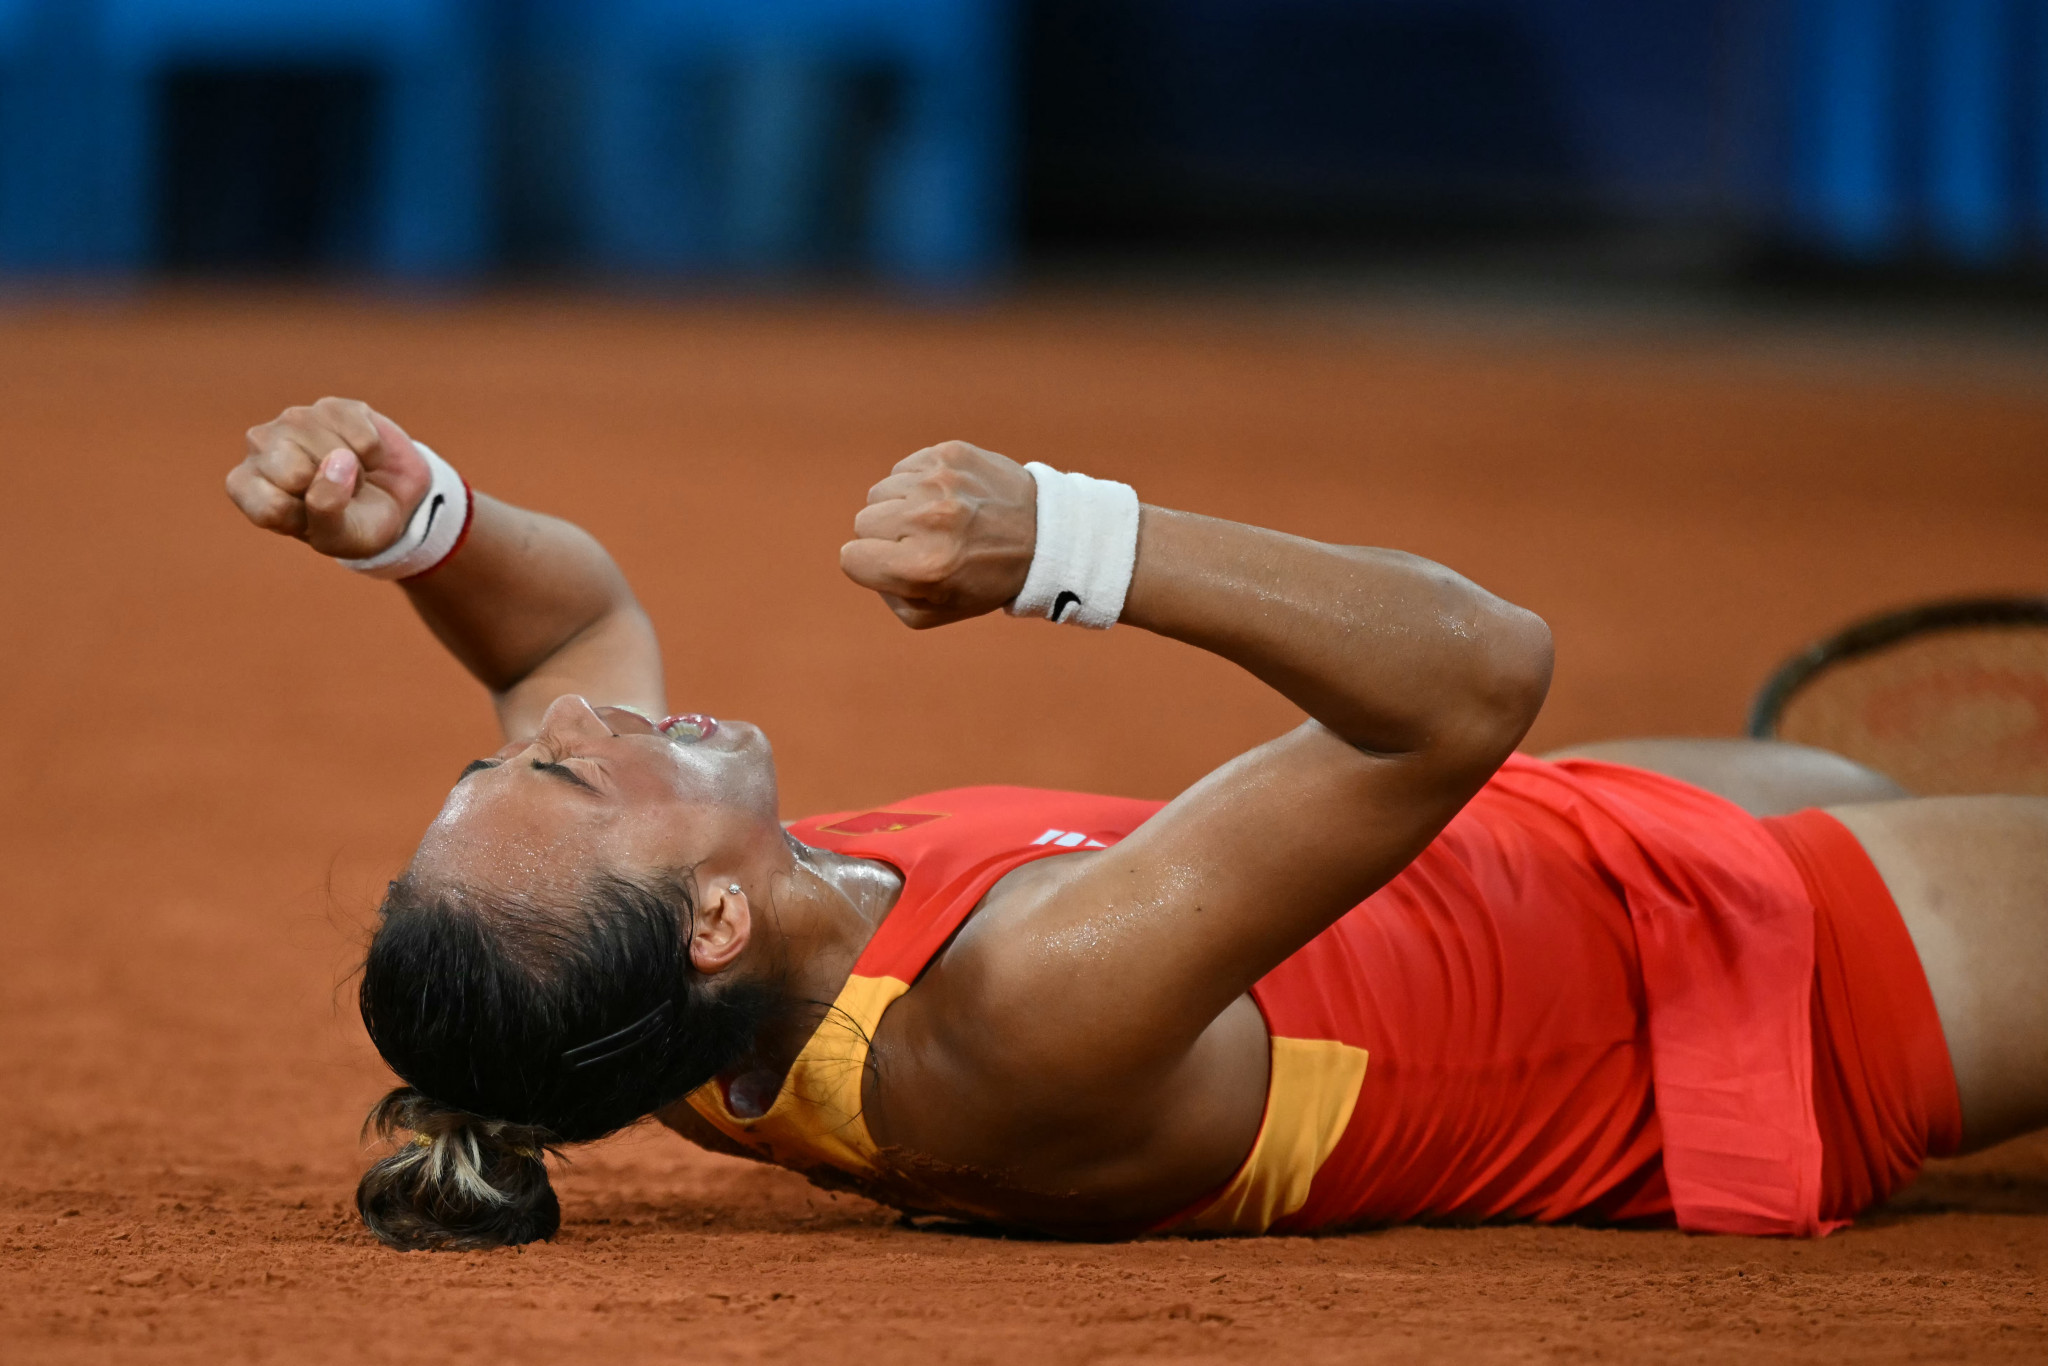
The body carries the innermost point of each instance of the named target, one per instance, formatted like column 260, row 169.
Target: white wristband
column 1087, row 548
column 437, row 527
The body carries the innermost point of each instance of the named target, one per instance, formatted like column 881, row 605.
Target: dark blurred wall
column 1193, row 118
column 1144, row 121
column 266, row 168
column 1881, row 133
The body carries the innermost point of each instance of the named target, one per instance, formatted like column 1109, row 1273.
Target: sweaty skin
column 1083, row 1056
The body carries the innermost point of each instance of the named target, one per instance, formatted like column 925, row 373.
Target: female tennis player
column 1381, row 968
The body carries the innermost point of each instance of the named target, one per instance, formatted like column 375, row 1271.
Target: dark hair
column 519, row 1026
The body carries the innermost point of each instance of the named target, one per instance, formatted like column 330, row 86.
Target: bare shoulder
column 980, row 1092
column 966, row 1053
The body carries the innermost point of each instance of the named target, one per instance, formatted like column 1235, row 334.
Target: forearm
column 529, row 597
column 532, row 606
column 1393, row 653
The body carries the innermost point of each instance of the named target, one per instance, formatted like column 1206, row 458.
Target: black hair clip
column 619, row 1040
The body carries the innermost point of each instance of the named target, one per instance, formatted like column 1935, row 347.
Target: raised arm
column 532, row 606
column 1109, row 967
column 1418, row 685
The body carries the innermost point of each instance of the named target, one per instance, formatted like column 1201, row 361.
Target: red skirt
column 1884, row 1092
column 1604, row 995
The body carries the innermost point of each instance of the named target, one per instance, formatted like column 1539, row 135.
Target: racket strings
column 1948, row 707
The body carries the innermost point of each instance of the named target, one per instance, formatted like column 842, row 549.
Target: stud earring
column 733, row 887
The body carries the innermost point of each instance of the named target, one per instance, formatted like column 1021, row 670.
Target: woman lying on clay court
column 1381, row 968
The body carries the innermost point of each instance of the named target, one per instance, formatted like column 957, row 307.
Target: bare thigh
column 1970, row 876
column 1763, row 777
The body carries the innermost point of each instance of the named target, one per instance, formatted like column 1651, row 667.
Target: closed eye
column 553, row 770
column 564, row 772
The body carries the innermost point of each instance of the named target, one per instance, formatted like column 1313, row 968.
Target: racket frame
column 1876, row 633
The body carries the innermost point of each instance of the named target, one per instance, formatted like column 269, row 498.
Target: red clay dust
column 218, row 747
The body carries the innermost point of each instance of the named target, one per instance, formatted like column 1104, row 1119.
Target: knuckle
column 943, row 481
column 268, row 439
column 283, row 466
column 943, row 512
column 929, row 566
column 340, row 408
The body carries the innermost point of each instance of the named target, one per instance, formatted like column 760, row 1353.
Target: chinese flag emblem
column 880, row 822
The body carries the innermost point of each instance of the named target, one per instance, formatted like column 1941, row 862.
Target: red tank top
column 1586, row 998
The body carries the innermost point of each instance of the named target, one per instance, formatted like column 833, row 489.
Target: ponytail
column 457, row 1182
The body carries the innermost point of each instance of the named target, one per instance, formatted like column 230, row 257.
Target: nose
column 569, row 718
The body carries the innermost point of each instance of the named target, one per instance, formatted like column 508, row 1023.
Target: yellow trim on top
column 816, row 1118
column 1309, row 1099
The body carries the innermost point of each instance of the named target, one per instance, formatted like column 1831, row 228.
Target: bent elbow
column 1511, row 681
column 1528, row 676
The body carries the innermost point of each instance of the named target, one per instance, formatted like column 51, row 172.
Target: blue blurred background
column 950, row 143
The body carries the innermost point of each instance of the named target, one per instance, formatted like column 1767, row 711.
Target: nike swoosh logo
column 433, row 511
column 1059, row 604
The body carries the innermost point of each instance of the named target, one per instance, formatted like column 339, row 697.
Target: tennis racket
column 1951, row 697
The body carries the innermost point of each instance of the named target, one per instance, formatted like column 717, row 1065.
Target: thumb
column 348, row 516
column 923, row 616
column 880, row 565
column 327, row 500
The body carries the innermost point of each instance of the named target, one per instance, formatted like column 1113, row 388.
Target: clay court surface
column 217, row 748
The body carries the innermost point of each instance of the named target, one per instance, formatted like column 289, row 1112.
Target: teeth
column 686, row 728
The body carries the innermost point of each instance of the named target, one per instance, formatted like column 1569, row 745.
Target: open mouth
column 689, row 729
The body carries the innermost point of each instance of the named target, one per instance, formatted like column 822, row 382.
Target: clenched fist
column 339, row 476
column 947, row 536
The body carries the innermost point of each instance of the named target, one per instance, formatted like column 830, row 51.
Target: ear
column 724, row 927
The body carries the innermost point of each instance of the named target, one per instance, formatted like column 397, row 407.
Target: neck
column 826, row 907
